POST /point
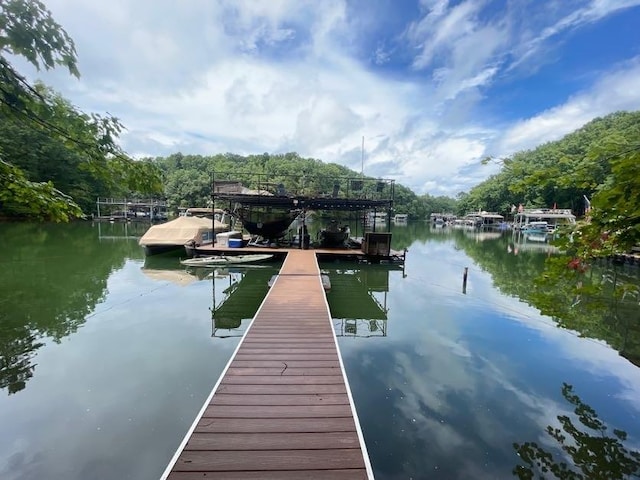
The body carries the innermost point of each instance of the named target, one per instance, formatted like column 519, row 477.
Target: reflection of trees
column 598, row 302
column 245, row 289
column 512, row 274
column 358, row 298
column 404, row 236
column 56, row 275
column 593, row 452
column 17, row 349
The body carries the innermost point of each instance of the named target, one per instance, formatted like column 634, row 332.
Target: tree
column 89, row 141
column 39, row 200
column 556, row 173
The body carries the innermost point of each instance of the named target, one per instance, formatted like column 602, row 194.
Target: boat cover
column 179, row 231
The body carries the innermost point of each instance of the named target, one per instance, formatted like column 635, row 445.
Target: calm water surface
column 105, row 359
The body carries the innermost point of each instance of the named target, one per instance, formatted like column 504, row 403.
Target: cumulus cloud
column 249, row 77
column 618, row 90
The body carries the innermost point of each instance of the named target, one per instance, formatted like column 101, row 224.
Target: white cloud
column 249, row 77
column 619, row 90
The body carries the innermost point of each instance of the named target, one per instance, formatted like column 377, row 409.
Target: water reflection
column 444, row 383
column 358, row 297
column 166, row 268
column 459, row 379
column 243, row 290
column 536, row 242
column 594, row 450
column 52, row 277
column 99, row 352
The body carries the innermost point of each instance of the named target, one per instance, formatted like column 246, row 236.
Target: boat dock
column 282, row 408
column 392, row 256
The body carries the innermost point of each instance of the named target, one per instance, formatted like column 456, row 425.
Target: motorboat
column 174, row 234
column 536, row 227
column 333, row 235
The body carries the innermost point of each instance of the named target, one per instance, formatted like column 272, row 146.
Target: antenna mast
column 362, row 153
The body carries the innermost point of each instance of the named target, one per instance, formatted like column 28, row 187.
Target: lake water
column 105, row 358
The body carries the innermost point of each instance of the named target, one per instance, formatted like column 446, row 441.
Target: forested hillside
column 594, row 170
column 558, row 173
column 187, row 179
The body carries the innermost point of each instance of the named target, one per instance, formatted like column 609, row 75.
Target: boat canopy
column 179, row 231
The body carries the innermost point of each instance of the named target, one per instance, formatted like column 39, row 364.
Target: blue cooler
column 235, row 243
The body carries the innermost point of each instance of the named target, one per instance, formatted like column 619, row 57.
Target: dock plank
column 276, row 425
column 283, row 380
column 273, row 441
column 281, row 389
column 280, row 399
column 230, row 460
column 351, row 474
column 277, row 411
column 282, row 408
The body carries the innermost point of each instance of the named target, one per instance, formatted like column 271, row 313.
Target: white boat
column 222, row 260
column 535, row 227
column 553, row 217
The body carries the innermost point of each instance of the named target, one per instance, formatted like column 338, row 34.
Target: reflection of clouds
column 593, row 356
column 111, row 402
column 463, row 377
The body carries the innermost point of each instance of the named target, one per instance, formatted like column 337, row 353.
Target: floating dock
column 392, row 256
column 282, row 408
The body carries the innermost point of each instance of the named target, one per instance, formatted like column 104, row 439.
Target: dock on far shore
column 282, row 408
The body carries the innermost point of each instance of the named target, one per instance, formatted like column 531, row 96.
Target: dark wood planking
column 282, row 371
column 277, row 411
column 288, row 363
column 276, row 425
column 280, row 351
column 241, row 357
column 281, row 389
column 282, row 410
column 269, row 460
column 283, row 380
column 351, row 474
column 273, row 441
column 280, row 399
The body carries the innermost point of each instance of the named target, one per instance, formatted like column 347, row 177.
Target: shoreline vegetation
column 55, row 160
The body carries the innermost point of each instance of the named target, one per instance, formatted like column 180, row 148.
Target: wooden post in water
column 464, row 280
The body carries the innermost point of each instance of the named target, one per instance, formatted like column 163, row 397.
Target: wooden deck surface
column 282, row 409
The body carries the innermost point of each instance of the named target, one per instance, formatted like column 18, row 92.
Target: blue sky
column 432, row 85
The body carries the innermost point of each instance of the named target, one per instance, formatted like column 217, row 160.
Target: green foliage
column 48, row 145
column 187, row 180
column 556, row 173
column 23, row 198
column 54, row 289
column 616, row 203
column 27, row 29
column 593, row 452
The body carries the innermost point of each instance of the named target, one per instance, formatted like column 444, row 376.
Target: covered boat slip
column 282, row 408
column 554, row 217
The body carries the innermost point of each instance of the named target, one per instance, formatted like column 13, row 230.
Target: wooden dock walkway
column 282, row 408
